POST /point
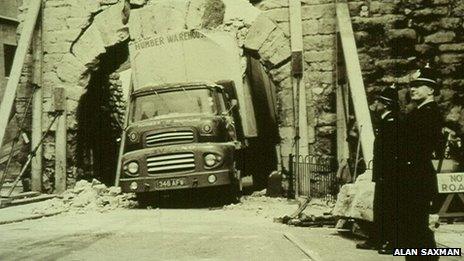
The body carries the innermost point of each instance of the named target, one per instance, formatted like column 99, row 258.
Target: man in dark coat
column 384, row 174
column 418, row 184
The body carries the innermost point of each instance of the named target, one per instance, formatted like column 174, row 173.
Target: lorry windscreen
column 196, row 101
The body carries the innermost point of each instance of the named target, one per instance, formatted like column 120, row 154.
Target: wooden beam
column 296, row 42
column 18, row 63
column 342, row 144
column 355, row 80
column 60, row 141
column 36, row 136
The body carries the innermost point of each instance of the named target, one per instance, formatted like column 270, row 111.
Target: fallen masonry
column 88, row 196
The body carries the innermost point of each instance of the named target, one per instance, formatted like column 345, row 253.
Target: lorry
column 189, row 115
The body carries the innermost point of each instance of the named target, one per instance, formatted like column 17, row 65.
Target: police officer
column 418, row 185
column 385, row 169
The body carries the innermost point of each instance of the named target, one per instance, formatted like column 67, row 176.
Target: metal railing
column 316, row 176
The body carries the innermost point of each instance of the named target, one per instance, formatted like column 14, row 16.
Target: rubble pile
column 88, row 196
column 281, row 209
column 311, row 213
column 260, row 205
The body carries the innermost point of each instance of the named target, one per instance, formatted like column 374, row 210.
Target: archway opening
column 100, row 116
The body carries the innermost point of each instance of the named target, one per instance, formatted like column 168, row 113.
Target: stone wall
column 319, row 78
column 395, row 38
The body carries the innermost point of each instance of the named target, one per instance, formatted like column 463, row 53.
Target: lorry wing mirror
column 233, row 104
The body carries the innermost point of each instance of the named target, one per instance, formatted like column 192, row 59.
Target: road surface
column 238, row 232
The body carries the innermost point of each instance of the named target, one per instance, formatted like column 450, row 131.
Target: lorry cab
column 180, row 136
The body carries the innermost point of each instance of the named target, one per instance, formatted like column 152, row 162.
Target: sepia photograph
column 231, row 130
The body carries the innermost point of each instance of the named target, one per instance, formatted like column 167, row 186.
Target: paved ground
column 241, row 232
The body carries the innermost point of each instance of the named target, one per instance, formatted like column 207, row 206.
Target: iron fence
column 316, row 176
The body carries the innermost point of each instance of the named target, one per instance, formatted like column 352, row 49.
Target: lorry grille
column 169, row 137
column 170, row 163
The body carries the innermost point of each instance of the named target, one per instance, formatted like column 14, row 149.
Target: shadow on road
column 190, row 198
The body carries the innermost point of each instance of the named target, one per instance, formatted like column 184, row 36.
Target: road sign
column 451, row 182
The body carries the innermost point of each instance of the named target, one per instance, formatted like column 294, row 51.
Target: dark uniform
column 384, row 174
column 418, row 184
column 418, row 177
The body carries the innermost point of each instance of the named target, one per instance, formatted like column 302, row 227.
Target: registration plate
column 171, row 183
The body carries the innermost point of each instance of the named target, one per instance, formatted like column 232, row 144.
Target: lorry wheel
column 146, row 199
column 235, row 190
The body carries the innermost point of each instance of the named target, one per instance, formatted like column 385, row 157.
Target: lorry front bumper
column 169, row 182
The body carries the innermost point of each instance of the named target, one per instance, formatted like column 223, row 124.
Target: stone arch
column 258, row 36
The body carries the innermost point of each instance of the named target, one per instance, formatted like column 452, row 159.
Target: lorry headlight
column 133, row 167
column 210, row 160
column 132, row 136
column 212, row 178
column 133, row 185
column 207, row 128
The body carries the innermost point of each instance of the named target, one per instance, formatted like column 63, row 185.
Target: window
column 8, row 55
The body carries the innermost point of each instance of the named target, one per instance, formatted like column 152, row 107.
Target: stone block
column 281, row 73
column 321, row 66
column 450, row 22
column 326, row 119
column 355, row 201
column 52, row 4
column 382, row 7
column 455, row 47
column 260, row 30
column 310, row 27
column 57, row 48
column 48, row 150
column 286, row 97
column 326, row 131
column 50, row 80
column 275, row 49
column 440, row 37
column 240, row 10
column 286, row 136
column 327, row 25
column 439, row 10
column 318, row 77
column 393, row 64
column 458, row 9
column 318, row 11
column 286, row 118
column 138, row 2
column 366, row 61
column 452, row 58
column 355, row 7
column 76, row 22
column 454, row 114
column 272, row 4
column 195, row 13
column 323, row 146
column 108, row 2
column 423, row 48
column 110, row 25
column 89, row 46
column 68, row 35
column 52, row 23
column 376, row 24
column 319, row 56
column 402, row 34
column 70, row 69
column 51, row 60
column 278, row 14
column 56, row 12
column 319, row 42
